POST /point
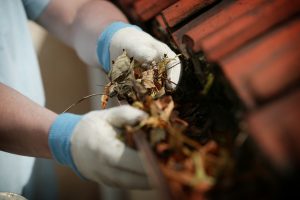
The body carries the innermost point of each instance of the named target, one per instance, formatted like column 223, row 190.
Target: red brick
column 279, row 74
column 276, row 129
column 266, row 66
column 148, row 9
column 179, row 11
column 178, row 34
column 247, row 27
column 216, row 18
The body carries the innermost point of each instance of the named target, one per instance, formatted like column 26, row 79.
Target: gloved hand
column 138, row 44
column 89, row 145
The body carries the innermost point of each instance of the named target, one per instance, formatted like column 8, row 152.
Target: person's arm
column 78, row 23
column 99, row 32
column 87, row 144
column 24, row 125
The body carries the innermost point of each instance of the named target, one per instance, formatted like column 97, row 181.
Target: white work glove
column 139, row 45
column 89, row 145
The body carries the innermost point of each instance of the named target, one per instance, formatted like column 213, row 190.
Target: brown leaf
column 148, row 84
column 148, row 78
column 104, row 100
column 167, row 111
column 121, row 68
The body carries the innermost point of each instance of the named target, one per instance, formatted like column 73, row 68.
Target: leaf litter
column 190, row 167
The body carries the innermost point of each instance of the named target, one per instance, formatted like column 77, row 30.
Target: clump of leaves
column 190, row 167
column 132, row 81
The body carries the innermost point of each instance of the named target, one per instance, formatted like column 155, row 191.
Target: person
column 98, row 31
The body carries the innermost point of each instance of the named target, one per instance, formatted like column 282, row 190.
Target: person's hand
column 139, row 45
column 89, row 145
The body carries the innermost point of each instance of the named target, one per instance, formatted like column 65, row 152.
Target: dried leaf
column 148, row 79
column 104, row 100
column 105, row 96
column 167, row 111
column 121, row 68
column 148, row 84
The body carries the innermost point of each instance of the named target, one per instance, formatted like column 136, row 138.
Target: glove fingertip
column 125, row 114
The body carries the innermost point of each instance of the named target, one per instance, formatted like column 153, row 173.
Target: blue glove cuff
column 60, row 136
column 103, row 44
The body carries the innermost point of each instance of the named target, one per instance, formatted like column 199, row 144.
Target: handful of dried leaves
column 133, row 81
column 189, row 166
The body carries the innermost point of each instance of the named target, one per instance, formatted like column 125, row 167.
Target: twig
column 170, row 67
column 166, row 79
column 80, row 100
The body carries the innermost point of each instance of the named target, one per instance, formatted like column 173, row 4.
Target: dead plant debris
column 189, row 166
column 133, row 81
